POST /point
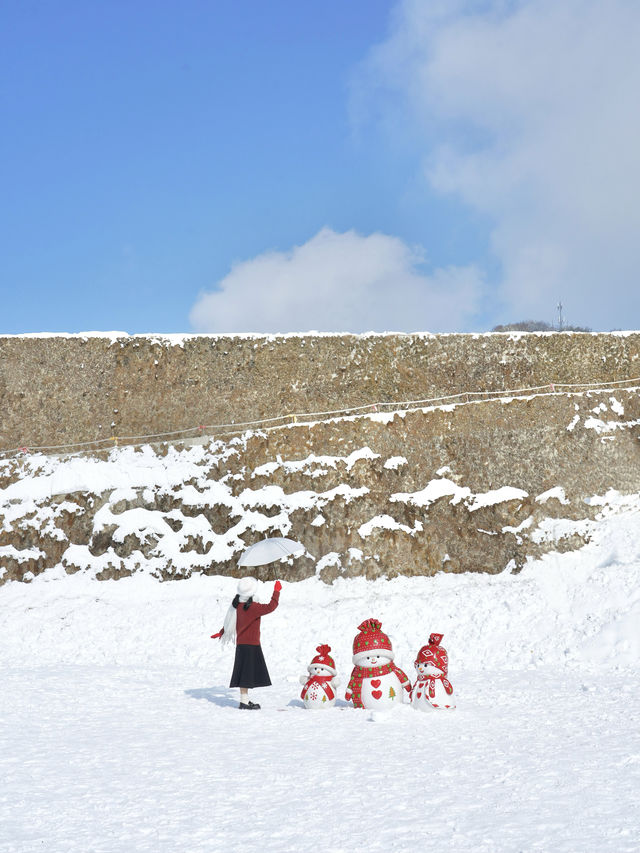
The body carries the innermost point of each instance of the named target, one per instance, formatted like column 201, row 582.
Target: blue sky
column 285, row 166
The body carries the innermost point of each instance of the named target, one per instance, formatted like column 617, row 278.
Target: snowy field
column 119, row 734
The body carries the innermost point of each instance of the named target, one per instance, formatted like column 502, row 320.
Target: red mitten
column 278, row 586
column 348, row 695
column 216, row 636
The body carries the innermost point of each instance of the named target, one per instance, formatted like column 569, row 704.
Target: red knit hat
column 371, row 639
column 323, row 658
column 434, row 654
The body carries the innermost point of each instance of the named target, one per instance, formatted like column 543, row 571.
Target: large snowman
column 376, row 682
column 432, row 688
column 319, row 687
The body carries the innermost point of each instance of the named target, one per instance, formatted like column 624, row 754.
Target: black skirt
column 249, row 668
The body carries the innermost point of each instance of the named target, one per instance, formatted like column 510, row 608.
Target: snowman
column 432, row 688
column 319, row 686
column 376, row 682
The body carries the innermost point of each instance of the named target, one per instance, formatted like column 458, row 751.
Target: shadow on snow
column 220, row 696
column 224, row 698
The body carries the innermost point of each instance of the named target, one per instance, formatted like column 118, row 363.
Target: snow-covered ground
column 118, row 732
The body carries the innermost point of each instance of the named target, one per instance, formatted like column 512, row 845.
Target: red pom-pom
column 370, row 625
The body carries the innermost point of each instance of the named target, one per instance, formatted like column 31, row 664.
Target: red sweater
column 248, row 621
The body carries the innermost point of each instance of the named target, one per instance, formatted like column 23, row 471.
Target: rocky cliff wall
column 471, row 486
column 61, row 390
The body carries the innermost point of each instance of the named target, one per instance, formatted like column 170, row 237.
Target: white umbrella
column 269, row 550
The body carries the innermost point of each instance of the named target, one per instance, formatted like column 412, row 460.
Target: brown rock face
column 474, row 486
column 60, row 390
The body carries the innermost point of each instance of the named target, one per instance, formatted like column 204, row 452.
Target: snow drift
column 119, row 733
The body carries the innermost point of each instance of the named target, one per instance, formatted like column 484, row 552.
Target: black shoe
column 254, row 706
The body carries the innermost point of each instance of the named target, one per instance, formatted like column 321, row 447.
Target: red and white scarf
column 428, row 682
column 323, row 681
column 361, row 672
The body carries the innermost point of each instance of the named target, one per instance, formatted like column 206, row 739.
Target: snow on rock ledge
column 454, row 489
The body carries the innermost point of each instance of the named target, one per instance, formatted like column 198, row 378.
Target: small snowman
column 376, row 682
column 432, row 688
column 319, row 687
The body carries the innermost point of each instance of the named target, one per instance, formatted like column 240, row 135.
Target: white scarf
column 229, row 635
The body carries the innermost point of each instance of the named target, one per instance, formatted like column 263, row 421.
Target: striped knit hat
column 370, row 640
column 323, row 658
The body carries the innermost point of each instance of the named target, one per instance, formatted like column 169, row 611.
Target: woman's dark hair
column 246, row 605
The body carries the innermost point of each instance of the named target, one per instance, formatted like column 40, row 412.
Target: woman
column 242, row 626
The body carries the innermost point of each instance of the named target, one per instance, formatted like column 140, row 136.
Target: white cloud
column 341, row 283
column 529, row 113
